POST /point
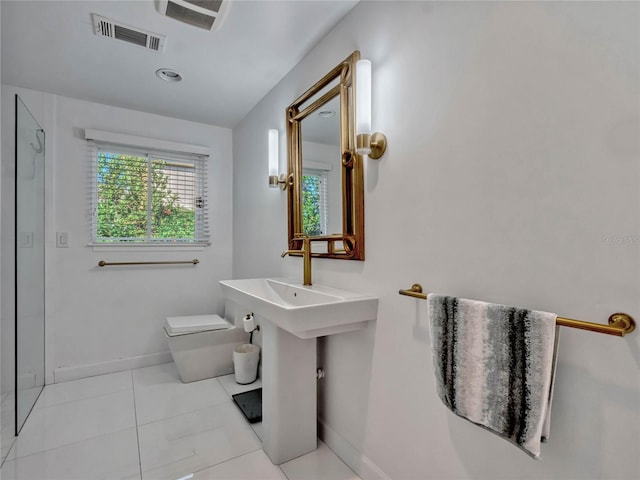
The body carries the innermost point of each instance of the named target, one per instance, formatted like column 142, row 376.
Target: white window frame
column 150, row 149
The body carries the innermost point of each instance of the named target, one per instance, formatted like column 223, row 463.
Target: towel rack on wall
column 102, row 263
column 619, row 323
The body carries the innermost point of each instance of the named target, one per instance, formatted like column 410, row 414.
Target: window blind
column 146, row 196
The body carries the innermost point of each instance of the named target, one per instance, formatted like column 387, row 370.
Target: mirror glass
column 321, row 172
column 326, row 197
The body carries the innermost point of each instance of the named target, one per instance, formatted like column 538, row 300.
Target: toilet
column 202, row 345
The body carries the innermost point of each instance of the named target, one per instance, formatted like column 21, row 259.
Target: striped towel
column 494, row 365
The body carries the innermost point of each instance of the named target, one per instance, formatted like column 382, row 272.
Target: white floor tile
column 72, row 422
column 160, row 394
column 85, row 430
column 229, row 384
column 258, row 429
column 252, row 466
column 84, row 388
column 113, row 456
column 7, row 423
column 180, row 445
column 321, row 464
column 165, row 373
column 27, row 399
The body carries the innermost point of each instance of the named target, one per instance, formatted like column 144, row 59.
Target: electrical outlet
column 25, row 239
column 62, row 239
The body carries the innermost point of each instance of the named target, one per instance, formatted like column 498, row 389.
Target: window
column 314, row 202
column 148, row 197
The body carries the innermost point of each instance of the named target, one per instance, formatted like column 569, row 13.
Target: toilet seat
column 183, row 325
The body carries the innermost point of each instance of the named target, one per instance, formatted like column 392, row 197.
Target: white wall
column 512, row 175
column 104, row 319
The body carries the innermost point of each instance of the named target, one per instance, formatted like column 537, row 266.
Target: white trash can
column 245, row 363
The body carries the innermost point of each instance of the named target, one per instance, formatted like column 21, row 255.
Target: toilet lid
column 194, row 323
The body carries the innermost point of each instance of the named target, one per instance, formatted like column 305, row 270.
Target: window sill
column 147, row 248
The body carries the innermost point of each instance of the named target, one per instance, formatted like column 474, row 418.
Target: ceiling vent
column 207, row 14
column 105, row 27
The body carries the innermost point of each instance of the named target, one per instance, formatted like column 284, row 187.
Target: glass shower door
column 29, row 255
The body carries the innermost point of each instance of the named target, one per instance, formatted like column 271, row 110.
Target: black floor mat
column 250, row 403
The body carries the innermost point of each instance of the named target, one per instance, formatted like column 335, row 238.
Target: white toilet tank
column 202, row 345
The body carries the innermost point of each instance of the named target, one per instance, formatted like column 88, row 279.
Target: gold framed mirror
column 326, row 192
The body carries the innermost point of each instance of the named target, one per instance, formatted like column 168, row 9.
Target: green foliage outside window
column 311, row 205
column 122, row 209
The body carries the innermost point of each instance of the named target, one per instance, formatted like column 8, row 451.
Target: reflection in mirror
column 321, row 168
column 326, row 199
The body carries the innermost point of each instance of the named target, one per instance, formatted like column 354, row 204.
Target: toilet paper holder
column 249, row 323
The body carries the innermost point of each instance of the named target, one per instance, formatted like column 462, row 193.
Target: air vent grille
column 105, row 27
column 212, row 5
column 207, row 14
column 131, row 36
column 192, row 17
column 154, row 43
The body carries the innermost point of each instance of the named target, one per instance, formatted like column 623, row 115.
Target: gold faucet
column 306, row 257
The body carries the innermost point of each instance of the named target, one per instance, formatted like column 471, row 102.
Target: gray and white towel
column 494, row 365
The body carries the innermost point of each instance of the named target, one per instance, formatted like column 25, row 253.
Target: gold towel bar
column 102, row 263
column 619, row 323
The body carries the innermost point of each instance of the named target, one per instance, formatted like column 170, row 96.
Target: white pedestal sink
column 292, row 317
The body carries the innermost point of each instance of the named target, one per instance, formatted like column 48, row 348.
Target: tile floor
column 145, row 424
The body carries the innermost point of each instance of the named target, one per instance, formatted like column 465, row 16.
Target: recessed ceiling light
column 327, row 113
column 168, row 75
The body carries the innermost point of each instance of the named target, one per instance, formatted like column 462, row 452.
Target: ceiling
column 51, row 46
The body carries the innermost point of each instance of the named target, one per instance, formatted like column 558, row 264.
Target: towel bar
column 102, row 263
column 619, row 323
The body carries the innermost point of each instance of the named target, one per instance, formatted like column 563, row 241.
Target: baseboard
column 362, row 465
column 27, row 380
column 64, row 374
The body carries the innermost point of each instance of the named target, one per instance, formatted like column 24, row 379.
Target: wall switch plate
column 62, row 239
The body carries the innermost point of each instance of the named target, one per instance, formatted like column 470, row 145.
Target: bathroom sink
column 304, row 311
column 291, row 317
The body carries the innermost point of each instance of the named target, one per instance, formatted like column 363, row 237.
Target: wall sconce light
column 273, row 158
column 375, row 144
column 275, row 180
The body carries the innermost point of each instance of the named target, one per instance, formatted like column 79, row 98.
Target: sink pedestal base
column 289, row 400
